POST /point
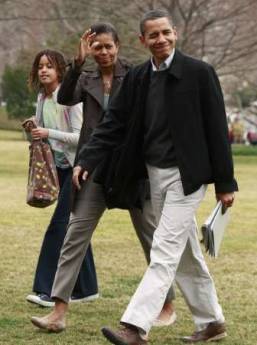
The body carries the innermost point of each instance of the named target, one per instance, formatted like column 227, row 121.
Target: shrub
column 19, row 100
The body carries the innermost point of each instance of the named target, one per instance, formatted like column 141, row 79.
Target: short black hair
column 152, row 15
column 105, row 28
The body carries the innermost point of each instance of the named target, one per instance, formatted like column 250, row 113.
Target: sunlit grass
column 120, row 264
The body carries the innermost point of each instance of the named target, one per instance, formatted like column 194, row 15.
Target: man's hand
column 226, row 199
column 79, row 174
column 39, row 133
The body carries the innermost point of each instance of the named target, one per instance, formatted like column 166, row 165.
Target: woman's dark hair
column 105, row 28
column 56, row 59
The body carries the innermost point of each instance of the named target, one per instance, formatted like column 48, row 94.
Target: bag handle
column 30, row 124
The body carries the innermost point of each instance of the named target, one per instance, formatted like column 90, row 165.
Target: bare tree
column 222, row 32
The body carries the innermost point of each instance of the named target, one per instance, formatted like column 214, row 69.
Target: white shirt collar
column 165, row 64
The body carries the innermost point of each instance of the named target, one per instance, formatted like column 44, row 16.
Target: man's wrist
column 85, row 166
column 77, row 167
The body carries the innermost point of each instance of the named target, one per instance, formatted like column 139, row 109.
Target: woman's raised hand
column 84, row 49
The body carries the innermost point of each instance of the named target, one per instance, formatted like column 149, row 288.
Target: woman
column 60, row 126
column 94, row 89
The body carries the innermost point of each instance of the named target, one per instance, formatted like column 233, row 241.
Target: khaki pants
column 88, row 208
column 175, row 256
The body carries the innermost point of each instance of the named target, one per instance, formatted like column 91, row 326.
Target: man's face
column 159, row 37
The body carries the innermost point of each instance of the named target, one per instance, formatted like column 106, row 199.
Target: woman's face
column 104, row 50
column 47, row 73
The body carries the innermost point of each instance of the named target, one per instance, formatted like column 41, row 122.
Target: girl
column 60, row 126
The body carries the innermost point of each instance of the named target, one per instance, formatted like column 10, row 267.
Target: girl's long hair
column 55, row 58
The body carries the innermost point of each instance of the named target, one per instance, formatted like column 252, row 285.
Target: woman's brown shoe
column 48, row 325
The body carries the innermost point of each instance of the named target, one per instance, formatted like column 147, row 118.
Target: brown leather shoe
column 213, row 332
column 46, row 324
column 127, row 335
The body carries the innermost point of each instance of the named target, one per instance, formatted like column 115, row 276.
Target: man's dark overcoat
column 196, row 119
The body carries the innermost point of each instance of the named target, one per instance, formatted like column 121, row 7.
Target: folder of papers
column 213, row 229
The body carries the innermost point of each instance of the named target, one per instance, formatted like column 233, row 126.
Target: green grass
column 120, row 264
column 11, row 135
column 244, row 150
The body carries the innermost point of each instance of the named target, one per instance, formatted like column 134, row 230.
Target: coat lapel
column 95, row 87
column 143, row 87
column 176, row 66
column 118, row 76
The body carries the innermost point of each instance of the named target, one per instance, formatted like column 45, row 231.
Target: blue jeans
column 86, row 283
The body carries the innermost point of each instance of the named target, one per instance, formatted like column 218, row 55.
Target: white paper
column 213, row 229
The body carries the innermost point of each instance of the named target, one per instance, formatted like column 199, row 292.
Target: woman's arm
column 70, row 92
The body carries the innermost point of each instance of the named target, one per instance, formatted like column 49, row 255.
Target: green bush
column 19, row 100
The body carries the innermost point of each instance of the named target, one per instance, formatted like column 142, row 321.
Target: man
column 169, row 114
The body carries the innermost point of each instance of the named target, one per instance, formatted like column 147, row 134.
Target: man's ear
column 175, row 31
column 142, row 39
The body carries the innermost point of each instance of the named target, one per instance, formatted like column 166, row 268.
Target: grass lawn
column 120, row 264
